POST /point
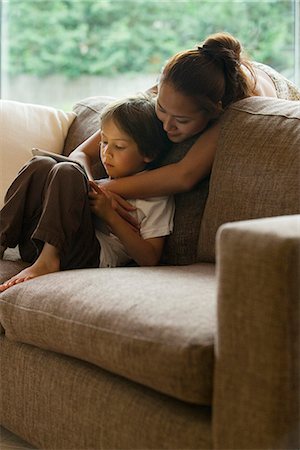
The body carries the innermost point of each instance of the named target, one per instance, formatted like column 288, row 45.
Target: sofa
column 200, row 352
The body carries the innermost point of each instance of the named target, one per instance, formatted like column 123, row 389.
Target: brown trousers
column 48, row 202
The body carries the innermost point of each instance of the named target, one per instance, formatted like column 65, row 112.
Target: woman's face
column 179, row 114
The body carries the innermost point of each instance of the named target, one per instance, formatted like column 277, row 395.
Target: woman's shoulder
column 264, row 85
column 270, row 78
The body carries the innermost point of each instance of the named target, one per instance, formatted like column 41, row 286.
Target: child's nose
column 107, row 150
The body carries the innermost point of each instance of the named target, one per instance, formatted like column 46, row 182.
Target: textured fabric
column 285, row 89
column 24, row 126
column 56, row 402
column 256, row 170
column 257, row 383
column 154, row 325
column 181, row 245
column 10, row 268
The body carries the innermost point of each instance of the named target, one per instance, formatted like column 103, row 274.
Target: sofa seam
column 86, row 106
column 94, row 327
column 258, row 113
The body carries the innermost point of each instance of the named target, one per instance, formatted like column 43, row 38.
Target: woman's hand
column 101, row 199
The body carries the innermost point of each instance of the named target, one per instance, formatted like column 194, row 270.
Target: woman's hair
column 211, row 74
column 136, row 116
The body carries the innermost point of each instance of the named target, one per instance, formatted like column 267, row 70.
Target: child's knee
column 70, row 172
column 41, row 163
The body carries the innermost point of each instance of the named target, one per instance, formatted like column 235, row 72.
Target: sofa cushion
column 181, row 245
column 154, row 326
column 256, row 170
column 57, row 402
column 27, row 126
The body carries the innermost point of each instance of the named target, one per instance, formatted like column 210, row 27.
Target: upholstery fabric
column 56, row 402
column 257, row 351
column 181, row 246
column 142, row 323
column 256, row 170
column 27, row 126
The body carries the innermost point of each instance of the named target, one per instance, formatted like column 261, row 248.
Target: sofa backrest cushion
column 24, row 126
column 256, row 168
column 181, row 245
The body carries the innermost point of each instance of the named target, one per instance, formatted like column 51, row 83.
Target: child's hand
column 100, row 204
column 121, row 206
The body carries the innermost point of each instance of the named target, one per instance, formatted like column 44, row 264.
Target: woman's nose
column 168, row 124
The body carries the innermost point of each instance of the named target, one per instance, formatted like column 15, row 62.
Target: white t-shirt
column 155, row 216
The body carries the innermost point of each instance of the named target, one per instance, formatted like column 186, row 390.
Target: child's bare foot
column 47, row 262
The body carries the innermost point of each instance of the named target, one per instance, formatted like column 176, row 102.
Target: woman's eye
column 159, row 108
column 119, row 148
column 103, row 143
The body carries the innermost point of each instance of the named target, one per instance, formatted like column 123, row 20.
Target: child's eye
column 118, row 147
column 103, row 143
column 182, row 121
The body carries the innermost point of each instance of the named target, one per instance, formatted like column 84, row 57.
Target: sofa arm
column 256, row 386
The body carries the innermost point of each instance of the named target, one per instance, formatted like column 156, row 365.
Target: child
column 48, row 207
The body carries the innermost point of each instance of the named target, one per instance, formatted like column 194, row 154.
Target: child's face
column 180, row 117
column 120, row 155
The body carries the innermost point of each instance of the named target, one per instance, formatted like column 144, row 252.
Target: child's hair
column 211, row 74
column 137, row 117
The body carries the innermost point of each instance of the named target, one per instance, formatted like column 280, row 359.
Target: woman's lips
column 173, row 135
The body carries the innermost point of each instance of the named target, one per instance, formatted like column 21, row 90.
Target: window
column 57, row 51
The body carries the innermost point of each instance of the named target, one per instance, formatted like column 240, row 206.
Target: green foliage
column 107, row 37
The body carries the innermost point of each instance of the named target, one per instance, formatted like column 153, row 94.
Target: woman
column 194, row 89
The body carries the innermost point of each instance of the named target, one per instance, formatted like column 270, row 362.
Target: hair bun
column 223, row 46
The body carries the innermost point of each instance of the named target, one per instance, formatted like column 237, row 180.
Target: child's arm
column 87, row 153
column 145, row 252
column 173, row 178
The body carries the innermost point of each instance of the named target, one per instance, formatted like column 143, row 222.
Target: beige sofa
column 199, row 353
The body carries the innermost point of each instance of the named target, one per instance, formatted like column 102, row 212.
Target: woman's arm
column 173, row 178
column 87, row 153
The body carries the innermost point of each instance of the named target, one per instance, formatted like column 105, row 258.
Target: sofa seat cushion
column 152, row 325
